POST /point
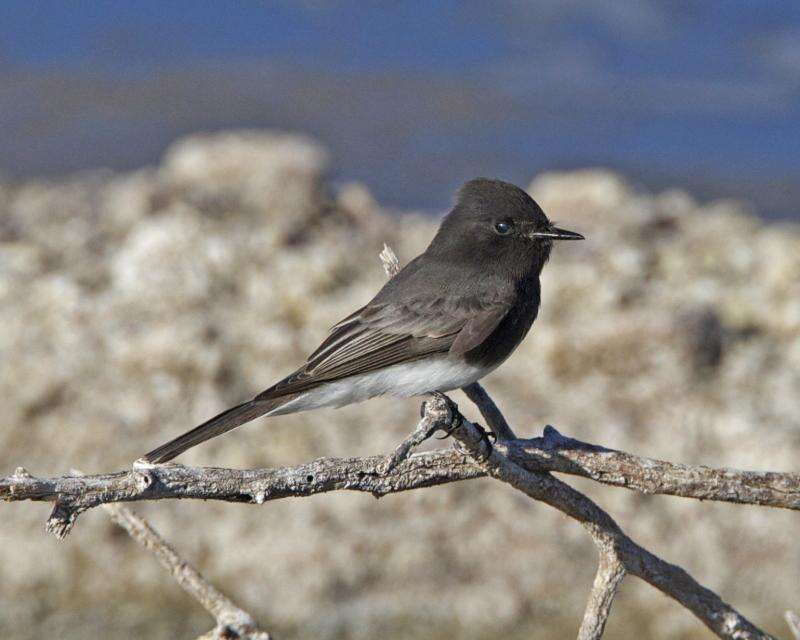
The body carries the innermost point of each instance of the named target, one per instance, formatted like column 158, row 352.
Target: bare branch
column 793, row 620
column 425, row 429
column 232, row 622
column 522, row 466
column 555, row 452
column 489, row 410
column 610, row 572
column 671, row 580
column 73, row 495
column 552, row 452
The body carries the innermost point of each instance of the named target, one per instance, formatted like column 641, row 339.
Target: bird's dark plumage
column 455, row 312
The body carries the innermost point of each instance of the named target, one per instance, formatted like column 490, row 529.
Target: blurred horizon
column 413, row 98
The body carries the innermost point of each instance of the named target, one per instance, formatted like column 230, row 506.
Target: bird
column 451, row 316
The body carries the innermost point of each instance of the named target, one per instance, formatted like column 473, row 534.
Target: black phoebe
column 451, row 316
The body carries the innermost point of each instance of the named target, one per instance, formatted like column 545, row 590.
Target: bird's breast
column 511, row 330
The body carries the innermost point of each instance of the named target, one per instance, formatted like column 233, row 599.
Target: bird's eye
column 503, row 228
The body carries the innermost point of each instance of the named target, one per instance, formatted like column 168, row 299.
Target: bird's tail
column 216, row 426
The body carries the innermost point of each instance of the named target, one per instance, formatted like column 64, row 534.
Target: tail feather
column 216, row 426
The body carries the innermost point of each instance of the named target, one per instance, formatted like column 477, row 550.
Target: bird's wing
column 477, row 329
column 382, row 334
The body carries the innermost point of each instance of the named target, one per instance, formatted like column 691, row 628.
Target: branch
column 610, row 572
column 523, row 466
column 671, row 580
column 74, row 495
column 555, row 452
column 489, row 410
column 552, row 452
column 232, row 622
column 793, row 620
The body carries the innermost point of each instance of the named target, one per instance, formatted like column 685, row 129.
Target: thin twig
column 610, row 572
column 389, row 261
column 555, row 452
column 232, row 622
column 424, row 430
column 793, row 620
column 489, row 410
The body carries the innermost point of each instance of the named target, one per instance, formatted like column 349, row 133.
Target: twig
column 555, row 452
column 389, row 261
column 232, row 622
column 424, row 430
column 489, row 410
column 610, row 572
column 793, row 620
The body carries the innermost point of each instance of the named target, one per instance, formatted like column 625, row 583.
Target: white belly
column 402, row 380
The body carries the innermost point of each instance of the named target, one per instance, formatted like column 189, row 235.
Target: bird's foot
column 480, row 449
column 455, row 423
column 428, row 426
column 489, row 437
column 453, row 417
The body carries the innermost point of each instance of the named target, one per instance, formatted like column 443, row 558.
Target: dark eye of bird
column 503, row 228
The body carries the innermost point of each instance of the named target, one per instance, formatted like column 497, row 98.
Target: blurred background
column 411, row 97
column 178, row 180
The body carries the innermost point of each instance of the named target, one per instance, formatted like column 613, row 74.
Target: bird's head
column 496, row 220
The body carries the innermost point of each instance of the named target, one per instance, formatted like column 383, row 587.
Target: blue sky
column 415, row 97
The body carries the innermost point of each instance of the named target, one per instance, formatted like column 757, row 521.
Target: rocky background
column 133, row 306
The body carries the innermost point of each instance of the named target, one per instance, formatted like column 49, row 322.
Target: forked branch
column 609, row 538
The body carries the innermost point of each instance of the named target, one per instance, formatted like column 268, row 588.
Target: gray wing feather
column 380, row 335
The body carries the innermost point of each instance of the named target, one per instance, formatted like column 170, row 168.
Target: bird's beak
column 554, row 233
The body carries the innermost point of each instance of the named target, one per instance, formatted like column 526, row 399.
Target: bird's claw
column 455, row 415
column 448, row 431
column 489, row 437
